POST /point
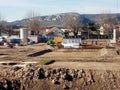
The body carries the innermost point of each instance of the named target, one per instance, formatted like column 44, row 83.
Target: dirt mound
column 34, row 77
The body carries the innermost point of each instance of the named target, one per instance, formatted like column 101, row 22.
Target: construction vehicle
column 56, row 40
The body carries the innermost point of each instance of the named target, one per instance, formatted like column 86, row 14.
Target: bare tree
column 4, row 27
column 34, row 23
column 108, row 21
column 1, row 26
column 0, row 16
column 72, row 21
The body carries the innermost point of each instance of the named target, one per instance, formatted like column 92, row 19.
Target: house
column 54, row 32
column 5, row 35
column 85, row 34
column 39, row 31
column 37, row 34
column 102, row 30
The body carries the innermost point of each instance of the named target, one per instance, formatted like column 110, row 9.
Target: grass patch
column 46, row 62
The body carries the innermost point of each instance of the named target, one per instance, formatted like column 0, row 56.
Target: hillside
column 56, row 20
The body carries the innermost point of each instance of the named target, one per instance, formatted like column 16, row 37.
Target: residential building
column 54, row 32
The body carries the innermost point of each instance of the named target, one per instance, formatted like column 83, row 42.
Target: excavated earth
column 33, row 77
column 20, row 68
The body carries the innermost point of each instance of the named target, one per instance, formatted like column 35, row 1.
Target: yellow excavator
column 57, row 40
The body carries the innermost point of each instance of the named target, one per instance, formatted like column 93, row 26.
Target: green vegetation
column 49, row 42
column 46, row 62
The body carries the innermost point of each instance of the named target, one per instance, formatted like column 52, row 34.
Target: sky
column 11, row 10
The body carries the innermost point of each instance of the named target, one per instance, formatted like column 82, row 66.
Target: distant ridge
column 56, row 20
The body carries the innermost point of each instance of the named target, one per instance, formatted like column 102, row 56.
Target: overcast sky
column 17, row 9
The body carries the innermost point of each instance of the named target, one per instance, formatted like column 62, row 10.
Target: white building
column 71, row 42
column 102, row 30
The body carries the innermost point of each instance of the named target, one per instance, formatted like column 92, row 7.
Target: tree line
column 69, row 21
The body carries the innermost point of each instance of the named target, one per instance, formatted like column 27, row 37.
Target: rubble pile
column 34, row 77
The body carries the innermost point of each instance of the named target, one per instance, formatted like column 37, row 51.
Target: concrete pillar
column 114, row 35
column 23, row 35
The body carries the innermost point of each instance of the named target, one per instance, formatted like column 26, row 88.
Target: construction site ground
column 72, row 69
column 70, row 58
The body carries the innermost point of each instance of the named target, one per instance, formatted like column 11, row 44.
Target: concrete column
column 114, row 35
column 23, row 35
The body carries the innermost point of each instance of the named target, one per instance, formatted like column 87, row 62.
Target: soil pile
column 33, row 77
